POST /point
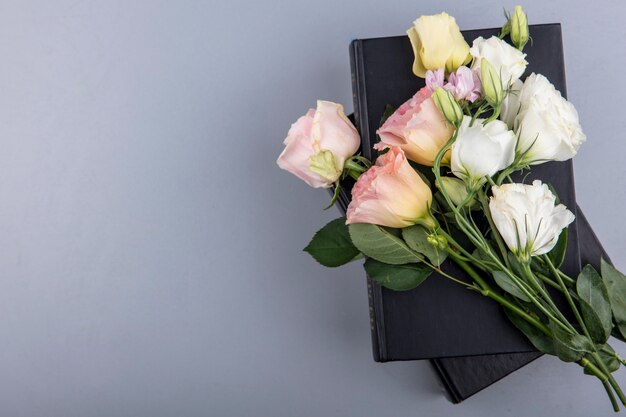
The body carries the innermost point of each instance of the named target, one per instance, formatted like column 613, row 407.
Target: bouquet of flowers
column 475, row 124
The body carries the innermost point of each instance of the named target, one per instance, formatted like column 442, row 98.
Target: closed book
column 441, row 319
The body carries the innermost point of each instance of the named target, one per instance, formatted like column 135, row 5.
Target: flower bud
column 519, row 28
column 456, row 190
column 492, row 84
column 438, row 241
column 448, row 106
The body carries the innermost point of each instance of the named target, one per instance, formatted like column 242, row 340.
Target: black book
column 441, row 319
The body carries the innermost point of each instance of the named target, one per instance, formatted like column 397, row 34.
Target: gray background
column 150, row 248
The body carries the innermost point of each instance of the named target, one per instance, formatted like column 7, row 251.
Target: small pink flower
column 435, row 79
column 418, row 127
column 464, row 84
column 318, row 145
column 390, row 193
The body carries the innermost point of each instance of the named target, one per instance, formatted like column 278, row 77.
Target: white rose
column 509, row 62
column 481, row 151
column 527, row 218
column 547, row 125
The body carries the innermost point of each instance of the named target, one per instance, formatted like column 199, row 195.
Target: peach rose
column 419, row 128
column 391, row 194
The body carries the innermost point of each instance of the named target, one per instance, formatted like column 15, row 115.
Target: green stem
column 551, row 283
column 488, row 292
column 523, row 287
column 582, row 324
column 566, row 278
column 607, row 388
column 494, row 231
column 494, row 116
column 479, row 111
column 462, row 251
column 463, row 224
column 503, row 175
column 444, row 274
column 585, row 363
column 541, row 290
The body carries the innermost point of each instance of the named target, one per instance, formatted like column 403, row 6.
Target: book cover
column 440, row 319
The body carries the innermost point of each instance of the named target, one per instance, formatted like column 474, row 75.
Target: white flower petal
column 527, row 218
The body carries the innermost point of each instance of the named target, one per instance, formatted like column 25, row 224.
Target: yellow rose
column 437, row 43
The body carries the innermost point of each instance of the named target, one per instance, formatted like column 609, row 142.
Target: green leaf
column 380, row 244
column 479, row 254
column 397, row 277
column 540, row 340
column 416, row 237
column 569, row 347
column 557, row 254
column 331, row 246
column 615, row 283
column 506, row 283
column 594, row 304
column 609, row 359
column 518, row 269
column 593, row 322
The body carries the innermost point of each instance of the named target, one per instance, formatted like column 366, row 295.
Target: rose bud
column 456, row 190
column 391, row 193
column 437, row 43
column 519, row 28
column 318, row 145
column 448, row 106
column 419, row 128
column 527, row 218
column 493, row 89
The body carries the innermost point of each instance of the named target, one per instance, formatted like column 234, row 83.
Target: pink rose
column 418, row 127
column 390, row 194
column 318, row 145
